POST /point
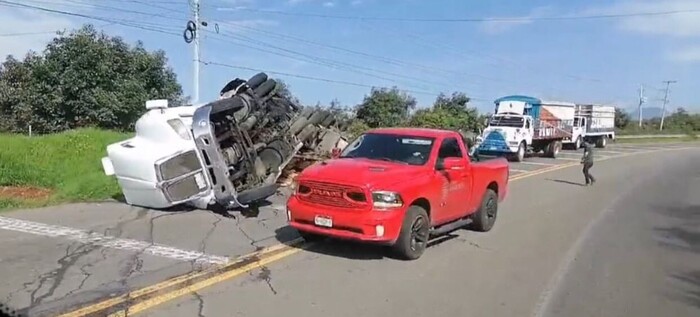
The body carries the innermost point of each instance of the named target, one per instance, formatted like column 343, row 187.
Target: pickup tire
column 485, row 217
column 413, row 238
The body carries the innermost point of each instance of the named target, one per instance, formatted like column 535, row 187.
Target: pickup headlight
column 385, row 199
column 179, row 128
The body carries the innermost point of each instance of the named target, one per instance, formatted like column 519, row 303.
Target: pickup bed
column 399, row 187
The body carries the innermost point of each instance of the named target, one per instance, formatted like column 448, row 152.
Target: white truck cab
column 160, row 166
column 508, row 130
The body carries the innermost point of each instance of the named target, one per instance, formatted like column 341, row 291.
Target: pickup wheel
column 485, row 217
column 413, row 238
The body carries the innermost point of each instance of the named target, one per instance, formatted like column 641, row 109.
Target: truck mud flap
column 257, row 194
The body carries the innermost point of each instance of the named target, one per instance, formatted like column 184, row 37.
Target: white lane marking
column 518, row 171
column 568, row 159
column 537, row 163
column 608, row 151
column 94, row 238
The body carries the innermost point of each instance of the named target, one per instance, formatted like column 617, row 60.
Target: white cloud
column 329, row 4
column 686, row 55
column 356, row 2
column 495, row 27
column 676, row 25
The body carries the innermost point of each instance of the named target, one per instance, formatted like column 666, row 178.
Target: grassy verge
column 658, row 140
column 67, row 164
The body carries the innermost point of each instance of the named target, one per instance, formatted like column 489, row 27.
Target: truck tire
column 577, row 144
column 413, row 238
column 601, row 142
column 520, row 155
column 485, row 217
column 553, row 149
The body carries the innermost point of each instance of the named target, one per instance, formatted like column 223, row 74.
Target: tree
column 385, row 107
column 448, row 113
column 84, row 78
column 622, row 118
column 282, row 89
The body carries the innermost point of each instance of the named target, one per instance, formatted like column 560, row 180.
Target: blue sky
column 594, row 60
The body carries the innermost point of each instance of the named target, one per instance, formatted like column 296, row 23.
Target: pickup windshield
column 404, row 149
column 507, row 121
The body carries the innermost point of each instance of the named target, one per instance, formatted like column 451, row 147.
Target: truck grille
column 328, row 194
column 179, row 165
column 184, row 188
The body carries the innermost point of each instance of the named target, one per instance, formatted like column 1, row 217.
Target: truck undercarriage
column 239, row 144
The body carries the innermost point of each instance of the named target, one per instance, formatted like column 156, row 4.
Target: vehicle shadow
column 350, row 250
column 684, row 237
column 565, row 182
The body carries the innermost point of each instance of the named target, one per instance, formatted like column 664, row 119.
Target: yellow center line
column 228, row 271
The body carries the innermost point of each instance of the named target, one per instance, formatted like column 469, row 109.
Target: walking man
column 587, row 161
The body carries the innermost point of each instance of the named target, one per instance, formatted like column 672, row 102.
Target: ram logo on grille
column 327, row 193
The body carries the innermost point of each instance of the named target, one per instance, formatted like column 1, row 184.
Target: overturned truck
column 230, row 152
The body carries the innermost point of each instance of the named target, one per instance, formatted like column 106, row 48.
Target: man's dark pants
column 589, row 178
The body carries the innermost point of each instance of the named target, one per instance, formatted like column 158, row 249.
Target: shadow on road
column 566, row 182
column 350, row 249
column 684, row 237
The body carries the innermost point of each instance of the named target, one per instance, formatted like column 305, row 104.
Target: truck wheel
column 577, row 145
column 556, row 148
column 485, row 217
column 520, row 155
column 601, row 142
column 413, row 238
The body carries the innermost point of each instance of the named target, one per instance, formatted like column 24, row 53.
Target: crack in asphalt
column 253, row 242
column 135, row 263
column 57, row 275
column 266, row 275
column 200, row 309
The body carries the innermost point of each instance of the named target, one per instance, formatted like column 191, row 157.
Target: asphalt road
column 627, row 246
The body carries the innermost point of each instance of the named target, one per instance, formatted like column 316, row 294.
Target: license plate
column 323, row 221
column 492, row 148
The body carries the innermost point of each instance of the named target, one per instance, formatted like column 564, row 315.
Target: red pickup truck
column 399, row 187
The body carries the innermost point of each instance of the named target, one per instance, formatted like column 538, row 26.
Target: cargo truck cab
column 507, row 132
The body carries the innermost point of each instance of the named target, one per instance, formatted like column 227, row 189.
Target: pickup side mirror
column 450, row 163
column 335, row 153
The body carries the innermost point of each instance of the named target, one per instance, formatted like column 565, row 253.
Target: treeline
column 679, row 121
column 86, row 78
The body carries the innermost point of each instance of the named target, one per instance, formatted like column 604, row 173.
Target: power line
column 384, row 59
column 320, row 60
column 15, row 4
column 476, row 19
column 44, row 32
column 341, row 82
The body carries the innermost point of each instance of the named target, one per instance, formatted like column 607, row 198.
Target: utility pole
column 663, row 108
column 197, row 24
column 641, row 102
